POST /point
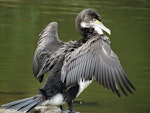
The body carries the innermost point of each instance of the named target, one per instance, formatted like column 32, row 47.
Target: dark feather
column 24, row 105
column 96, row 60
column 48, row 43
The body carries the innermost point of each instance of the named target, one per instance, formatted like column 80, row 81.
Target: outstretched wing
column 95, row 60
column 47, row 44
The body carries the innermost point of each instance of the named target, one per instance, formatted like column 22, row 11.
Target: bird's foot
column 74, row 112
column 65, row 111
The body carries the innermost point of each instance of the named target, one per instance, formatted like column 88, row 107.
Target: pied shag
column 74, row 65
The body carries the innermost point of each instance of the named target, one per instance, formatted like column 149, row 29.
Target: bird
column 74, row 65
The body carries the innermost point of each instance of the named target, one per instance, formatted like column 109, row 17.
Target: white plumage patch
column 104, row 50
column 83, row 85
column 98, row 30
column 58, row 99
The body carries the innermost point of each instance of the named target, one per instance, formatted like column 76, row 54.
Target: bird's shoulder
column 85, row 46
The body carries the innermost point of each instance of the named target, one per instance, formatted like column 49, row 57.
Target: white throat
column 97, row 29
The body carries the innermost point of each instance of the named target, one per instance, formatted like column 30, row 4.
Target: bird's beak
column 98, row 25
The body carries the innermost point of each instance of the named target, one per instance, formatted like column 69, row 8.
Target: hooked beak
column 99, row 26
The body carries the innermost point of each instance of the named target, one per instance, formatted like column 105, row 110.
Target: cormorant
column 74, row 65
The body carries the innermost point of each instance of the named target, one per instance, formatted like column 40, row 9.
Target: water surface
column 21, row 21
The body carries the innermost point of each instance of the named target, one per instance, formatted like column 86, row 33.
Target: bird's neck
column 86, row 38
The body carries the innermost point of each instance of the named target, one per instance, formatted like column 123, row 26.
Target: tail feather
column 15, row 102
column 30, row 106
column 21, row 105
column 24, row 105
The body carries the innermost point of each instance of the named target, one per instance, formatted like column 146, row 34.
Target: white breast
column 83, row 85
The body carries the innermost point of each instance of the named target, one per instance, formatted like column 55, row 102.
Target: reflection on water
column 129, row 21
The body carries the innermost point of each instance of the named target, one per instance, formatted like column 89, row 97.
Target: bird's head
column 88, row 21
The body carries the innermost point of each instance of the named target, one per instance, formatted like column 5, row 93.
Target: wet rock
column 8, row 111
column 39, row 109
column 46, row 109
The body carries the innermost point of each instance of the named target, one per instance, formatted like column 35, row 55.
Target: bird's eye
column 96, row 21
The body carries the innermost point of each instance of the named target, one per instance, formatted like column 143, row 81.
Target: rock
column 8, row 111
column 39, row 109
column 46, row 109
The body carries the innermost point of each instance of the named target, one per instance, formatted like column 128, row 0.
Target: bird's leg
column 63, row 110
column 71, row 107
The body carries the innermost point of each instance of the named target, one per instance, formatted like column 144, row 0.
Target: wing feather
column 114, row 81
column 47, row 44
column 96, row 60
column 124, row 81
column 119, row 82
column 111, row 82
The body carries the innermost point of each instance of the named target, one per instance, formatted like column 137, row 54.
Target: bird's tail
column 24, row 105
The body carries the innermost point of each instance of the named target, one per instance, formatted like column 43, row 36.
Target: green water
column 129, row 20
